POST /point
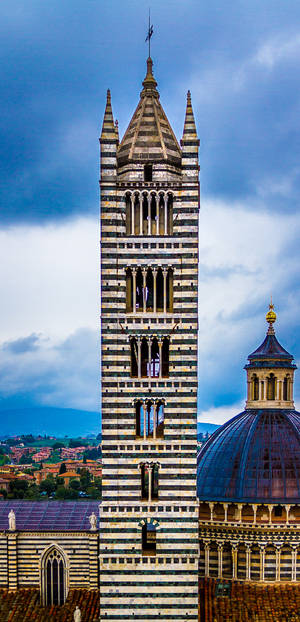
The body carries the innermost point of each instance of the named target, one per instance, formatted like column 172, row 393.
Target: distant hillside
column 51, row 421
column 206, row 427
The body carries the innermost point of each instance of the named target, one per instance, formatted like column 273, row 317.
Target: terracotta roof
column 24, row 605
column 48, row 515
column 149, row 136
column 69, row 474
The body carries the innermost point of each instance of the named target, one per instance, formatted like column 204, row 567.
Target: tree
column 25, row 459
column 61, row 492
column 3, row 492
column 62, row 469
column 58, row 445
column 85, row 479
column 74, row 484
column 48, row 485
column 79, row 442
column 17, row 488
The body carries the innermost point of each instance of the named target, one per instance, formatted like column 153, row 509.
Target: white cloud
column 219, row 415
column 49, row 279
column 277, row 49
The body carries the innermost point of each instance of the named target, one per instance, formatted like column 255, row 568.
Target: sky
column 240, row 59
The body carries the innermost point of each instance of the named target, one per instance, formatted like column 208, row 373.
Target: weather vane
column 150, row 33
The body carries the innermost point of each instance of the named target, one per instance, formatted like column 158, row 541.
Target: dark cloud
column 22, row 345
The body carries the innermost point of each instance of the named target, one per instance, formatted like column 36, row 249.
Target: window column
column 294, row 564
column 144, row 270
column 166, row 215
column 248, row 562
column 145, row 419
column 206, row 552
column 154, row 418
column 132, row 213
column 157, row 214
column 149, row 213
column 141, row 213
column 134, row 290
column 220, row 560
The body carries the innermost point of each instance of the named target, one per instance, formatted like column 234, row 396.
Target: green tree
column 58, row 445
column 85, row 479
column 17, row 488
column 48, row 485
column 25, row 459
column 71, row 493
column 62, row 468
column 61, row 492
column 32, row 492
column 3, row 492
column 77, row 442
column 74, row 484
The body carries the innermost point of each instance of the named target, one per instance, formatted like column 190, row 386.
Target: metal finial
column 149, row 35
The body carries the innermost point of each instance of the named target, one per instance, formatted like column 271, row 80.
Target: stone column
column 254, row 507
column 240, row 507
column 154, row 419
column 154, row 272
column 277, row 565
column 287, row 509
column 134, row 290
column 132, row 213
column 145, row 420
column 139, row 361
column 206, row 549
column 149, row 213
column 249, row 384
column 150, row 467
column 260, row 390
column 234, row 562
column 248, row 563
column 157, row 214
column 165, row 289
column 270, row 508
column 294, row 564
column 149, row 357
column 220, row 561
column 166, row 214
column 144, row 288
column 225, row 506
column 160, row 357
column 211, row 507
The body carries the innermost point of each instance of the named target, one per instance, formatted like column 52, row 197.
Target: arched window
column 286, row 389
column 159, row 291
column 148, row 539
column 170, row 290
column 255, row 387
column 144, row 481
column 136, row 200
column 154, row 482
column 128, row 215
column 139, row 419
column 129, row 292
column 145, row 214
column 271, row 387
column 134, row 358
column 160, row 417
column 155, row 362
column 161, row 214
column 139, row 290
column 149, row 290
column 148, row 172
column 144, row 358
column 54, row 578
column 170, row 215
column 165, row 358
column 153, row 214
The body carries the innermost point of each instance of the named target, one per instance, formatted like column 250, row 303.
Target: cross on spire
column 149, row 35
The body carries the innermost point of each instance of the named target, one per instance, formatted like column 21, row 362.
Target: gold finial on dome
column 271, row 317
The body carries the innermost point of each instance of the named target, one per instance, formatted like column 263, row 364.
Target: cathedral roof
column 49, row 515
column 254, row 457
column 149, row 136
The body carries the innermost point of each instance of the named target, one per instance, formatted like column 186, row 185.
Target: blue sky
column 241, row 61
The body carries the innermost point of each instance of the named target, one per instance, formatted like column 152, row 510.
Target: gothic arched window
column 129, row 292
column 134, row 357
column 271, row 387
column 148, row 539
column 54, row 578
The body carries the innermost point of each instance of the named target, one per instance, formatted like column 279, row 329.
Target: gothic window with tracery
column 54, row 578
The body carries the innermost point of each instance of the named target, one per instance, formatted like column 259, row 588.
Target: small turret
column 190, row 143
column 270, row 372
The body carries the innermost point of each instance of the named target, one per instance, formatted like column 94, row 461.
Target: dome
column 254, row 457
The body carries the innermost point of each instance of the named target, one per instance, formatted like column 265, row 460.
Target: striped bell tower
column 149, row 310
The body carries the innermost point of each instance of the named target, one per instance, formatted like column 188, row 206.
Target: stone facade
column 149, row 311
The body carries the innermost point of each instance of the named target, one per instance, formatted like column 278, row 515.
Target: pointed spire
column 149, row 83
column 108, row 128
column 189, row 130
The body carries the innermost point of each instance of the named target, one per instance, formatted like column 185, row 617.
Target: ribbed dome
column 254, row 457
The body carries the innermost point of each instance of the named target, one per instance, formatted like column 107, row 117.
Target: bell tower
column 149, row 310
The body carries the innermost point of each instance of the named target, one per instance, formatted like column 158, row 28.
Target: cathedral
column 171, row 525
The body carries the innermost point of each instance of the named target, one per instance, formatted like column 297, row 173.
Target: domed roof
column 254, row 457
column 149, row 136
